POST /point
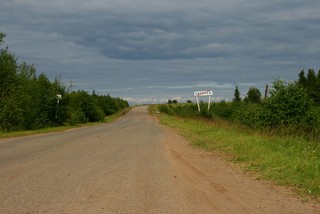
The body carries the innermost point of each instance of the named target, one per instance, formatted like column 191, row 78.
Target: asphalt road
column 133, row 165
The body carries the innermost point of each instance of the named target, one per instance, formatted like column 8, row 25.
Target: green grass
column 284, row 161
column 108, row 119
column 117, row 115
column 32, row 132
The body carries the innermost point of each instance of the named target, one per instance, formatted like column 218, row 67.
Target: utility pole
column 71, row 85
column 266, row 92
column 59, row 81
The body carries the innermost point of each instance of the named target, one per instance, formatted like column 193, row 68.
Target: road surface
column 133, row 165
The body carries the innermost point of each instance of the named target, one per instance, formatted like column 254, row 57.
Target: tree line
column 291, row 108
column 29, row 101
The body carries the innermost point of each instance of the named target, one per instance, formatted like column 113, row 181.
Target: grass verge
column 289, row 162
column 117, row 115
column 107, row 119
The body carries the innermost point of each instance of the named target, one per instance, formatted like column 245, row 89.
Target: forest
column 29, row 101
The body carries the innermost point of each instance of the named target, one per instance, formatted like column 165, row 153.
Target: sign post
column 58, row 97
column 198, row 94
column 198, row 103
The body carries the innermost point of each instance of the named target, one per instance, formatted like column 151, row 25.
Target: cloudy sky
column 149, row 51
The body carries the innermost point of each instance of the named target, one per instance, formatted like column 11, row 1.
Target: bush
column 166, row 109
column 311, row 123
column 183, row 110
column 186, row 110
column 250, row 114
column 287, row 105
column 223, row 110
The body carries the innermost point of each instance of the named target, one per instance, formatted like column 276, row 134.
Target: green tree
column 302, row 79
column 311, row 83
column 2, row 36
column 237, row 97
column 254, row 95
column 8, row 75
column 10, row 115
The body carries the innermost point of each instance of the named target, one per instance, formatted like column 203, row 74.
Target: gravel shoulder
column 133, row 165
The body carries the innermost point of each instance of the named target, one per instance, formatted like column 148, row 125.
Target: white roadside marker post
column 197, row 98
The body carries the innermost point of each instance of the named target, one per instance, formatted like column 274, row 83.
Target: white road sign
column 198, row 94
column 203, row 93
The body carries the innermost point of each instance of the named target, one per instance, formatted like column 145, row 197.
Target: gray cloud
column 165, row 47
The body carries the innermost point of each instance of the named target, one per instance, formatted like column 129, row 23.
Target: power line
column 70, row 86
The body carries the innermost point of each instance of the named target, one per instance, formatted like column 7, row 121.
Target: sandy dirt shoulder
column 222, row 187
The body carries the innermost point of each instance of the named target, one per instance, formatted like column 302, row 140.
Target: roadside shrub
column 183, row 110
column 76, row 116
column 186, row 110
column 287, row 105
column 223, row 110
column 250, row 114
column 311, row 123
column 166, row 109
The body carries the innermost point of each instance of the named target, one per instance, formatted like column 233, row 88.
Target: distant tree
column 254, row 95
column 8, row 74
column 29, row 101
column 189, row 101
column 312, row 86
column 174, row 101
column 2, row 35
column 237, row 97
column 302, row 79
column 246, row 99
column 311, row 77
column 318, row 76
column 311, row 83
column 169, row 101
